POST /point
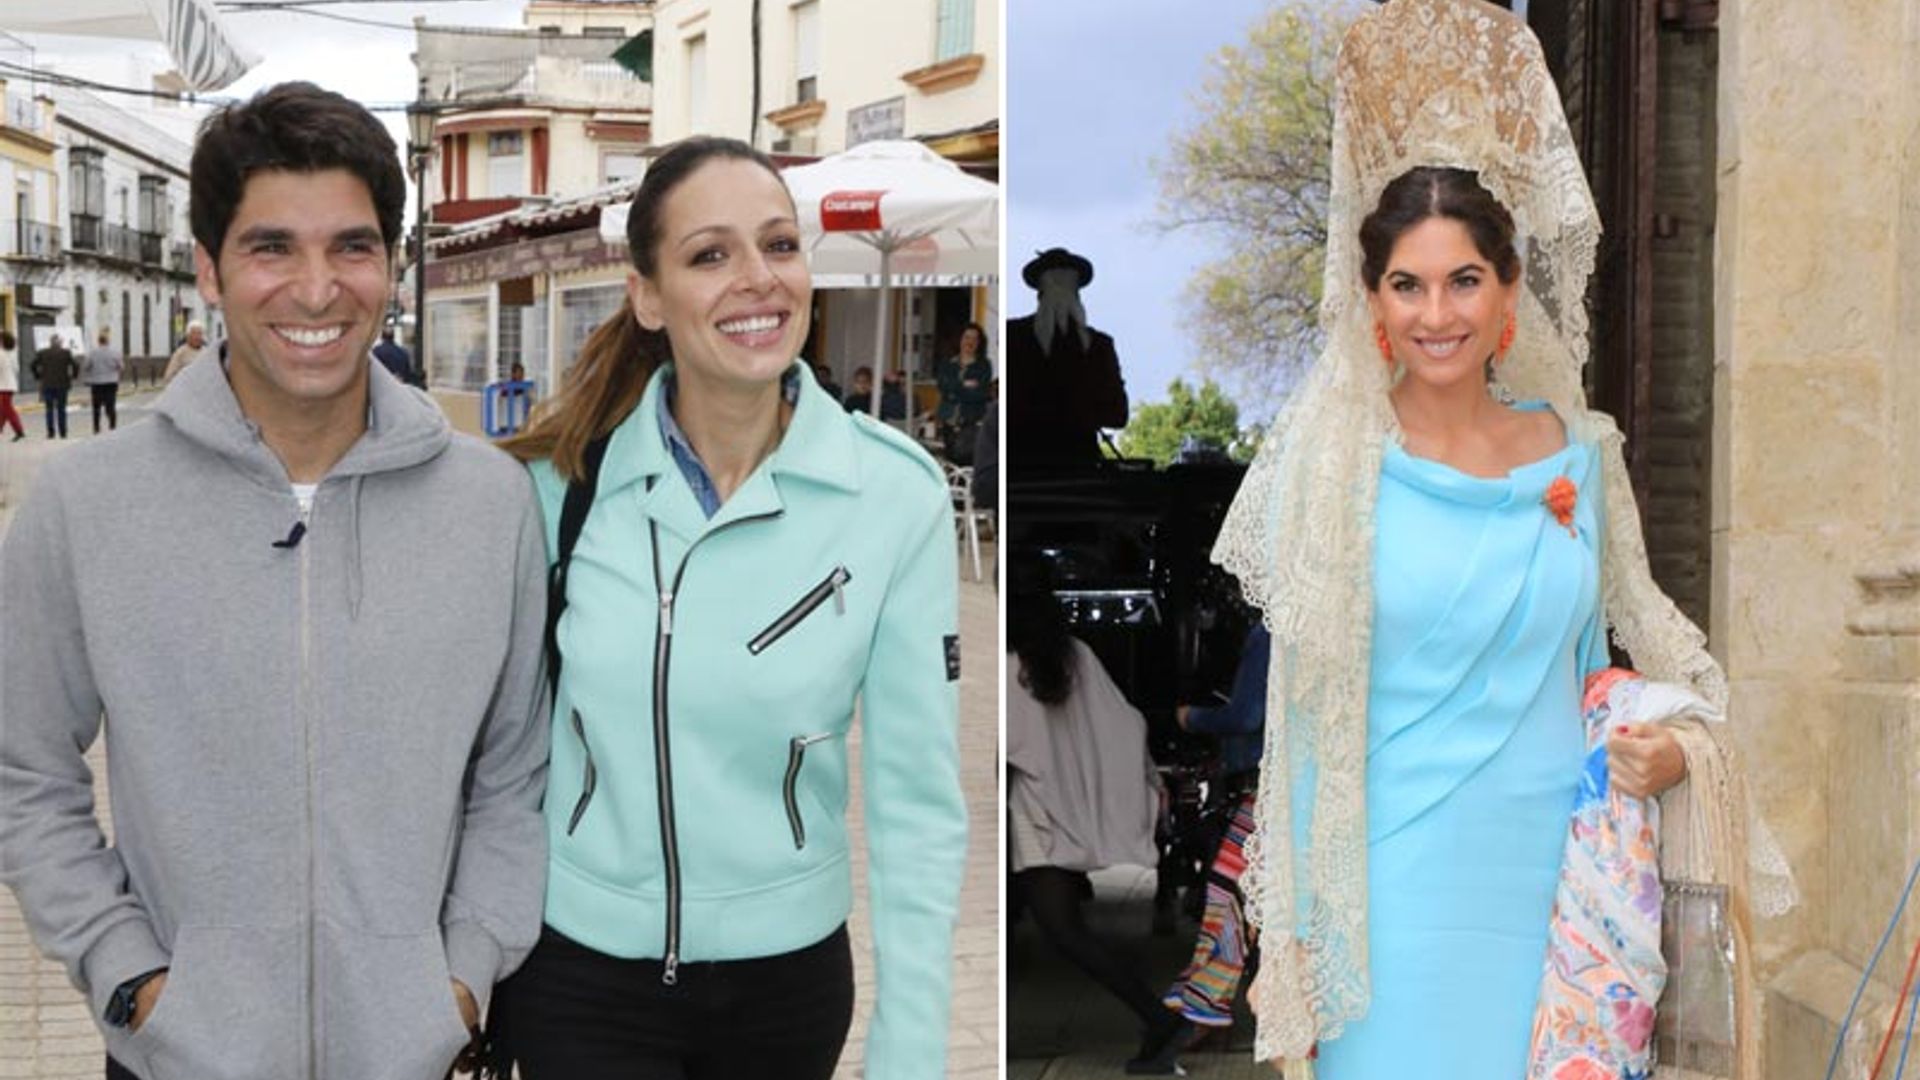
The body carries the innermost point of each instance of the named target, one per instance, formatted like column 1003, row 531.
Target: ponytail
column 597, row 392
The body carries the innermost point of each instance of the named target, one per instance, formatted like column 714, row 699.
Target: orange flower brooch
column 1560, row 499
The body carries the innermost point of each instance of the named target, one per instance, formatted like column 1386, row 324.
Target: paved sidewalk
column 45, row 1033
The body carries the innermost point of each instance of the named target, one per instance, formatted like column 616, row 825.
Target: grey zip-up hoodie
column 325, row 757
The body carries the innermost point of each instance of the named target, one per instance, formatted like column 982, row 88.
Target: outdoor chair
column 967, row 518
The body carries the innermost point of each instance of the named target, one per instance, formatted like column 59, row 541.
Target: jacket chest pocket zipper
column 796, row 756
column 833, row 587
column 589, row 779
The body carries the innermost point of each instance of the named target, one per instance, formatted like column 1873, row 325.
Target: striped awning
column 205, row 53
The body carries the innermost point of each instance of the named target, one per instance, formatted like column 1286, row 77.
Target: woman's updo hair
column 1430, row 192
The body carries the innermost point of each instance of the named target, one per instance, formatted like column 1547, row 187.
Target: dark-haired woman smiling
column 738, row 560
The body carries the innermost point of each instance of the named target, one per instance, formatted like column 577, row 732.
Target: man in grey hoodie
column 327, row 736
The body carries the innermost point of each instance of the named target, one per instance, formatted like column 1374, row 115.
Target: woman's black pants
column 571, row 1013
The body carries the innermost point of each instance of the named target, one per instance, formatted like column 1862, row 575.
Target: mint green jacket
column 696, row 804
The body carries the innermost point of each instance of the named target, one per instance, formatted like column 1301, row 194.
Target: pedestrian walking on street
column 190, row 350
column 328, row 839
column 784, row 558
column 10, row 385
column 101, row 370
column 56, row 369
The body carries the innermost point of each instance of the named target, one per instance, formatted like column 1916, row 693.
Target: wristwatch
column 120, row 1005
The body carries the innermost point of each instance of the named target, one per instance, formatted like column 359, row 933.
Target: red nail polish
column 1621, row 730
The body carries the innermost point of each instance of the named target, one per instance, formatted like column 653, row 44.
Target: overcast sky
column 372, row 65
column 1095, row 90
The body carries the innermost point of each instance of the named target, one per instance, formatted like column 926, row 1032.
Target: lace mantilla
column 1456, row 83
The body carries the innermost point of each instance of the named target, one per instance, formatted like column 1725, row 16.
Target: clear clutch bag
column 1694, row 1025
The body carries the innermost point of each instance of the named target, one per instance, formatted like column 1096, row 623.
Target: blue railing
column 504, row 406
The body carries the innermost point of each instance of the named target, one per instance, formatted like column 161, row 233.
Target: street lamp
column 420, row 153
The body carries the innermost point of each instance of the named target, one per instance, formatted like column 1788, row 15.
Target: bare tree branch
column 1253, row 173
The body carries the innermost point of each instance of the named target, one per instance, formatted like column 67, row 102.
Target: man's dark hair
column 295, row 127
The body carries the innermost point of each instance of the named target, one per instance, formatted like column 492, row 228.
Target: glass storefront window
column 457, row 343
column 581, row 313
column 523, row 340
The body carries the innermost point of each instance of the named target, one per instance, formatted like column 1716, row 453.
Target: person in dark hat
column 1066, row 383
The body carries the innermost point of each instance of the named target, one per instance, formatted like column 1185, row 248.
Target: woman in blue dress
column 1437, row 472
column 1485, row 624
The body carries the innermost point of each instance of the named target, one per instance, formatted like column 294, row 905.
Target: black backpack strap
column 573, row 517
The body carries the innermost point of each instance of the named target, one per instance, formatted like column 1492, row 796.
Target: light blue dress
column 1485, row 624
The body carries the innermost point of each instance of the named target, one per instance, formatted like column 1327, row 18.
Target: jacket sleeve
column 491, row 917
column 916, row 819
column 72, row 887
column 1246, row 712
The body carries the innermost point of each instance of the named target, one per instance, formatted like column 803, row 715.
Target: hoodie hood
column 404, row 427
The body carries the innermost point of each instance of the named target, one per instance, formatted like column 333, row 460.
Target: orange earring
column 1380, row 339
column 1506, row 338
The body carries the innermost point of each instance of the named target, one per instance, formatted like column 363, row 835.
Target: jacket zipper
column 796, row 755
column 794, row 615
column 313, row 858
column 662, row 752
column 590, row 781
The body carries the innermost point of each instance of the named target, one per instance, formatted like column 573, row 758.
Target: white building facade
column 129, row 247
column 32, row 248
column 831, row 74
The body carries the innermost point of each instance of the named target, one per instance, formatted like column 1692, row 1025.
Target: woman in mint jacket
column 752, row 562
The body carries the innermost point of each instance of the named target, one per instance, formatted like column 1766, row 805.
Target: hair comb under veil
column 1458, row 83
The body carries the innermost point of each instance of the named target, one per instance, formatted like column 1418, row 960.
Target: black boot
column 1160, row 1048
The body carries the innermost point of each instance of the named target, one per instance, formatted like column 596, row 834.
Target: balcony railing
column 30, row 240
column 153, row 248
column 116, row 241
column 24, row 114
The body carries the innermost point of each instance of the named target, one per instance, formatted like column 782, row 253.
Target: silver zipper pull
column 839, row 597
column 670, row 975
column 666, row 613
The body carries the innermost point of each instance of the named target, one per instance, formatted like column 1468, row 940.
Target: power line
column 243, row 5
column 288, row 7
column 78, row 83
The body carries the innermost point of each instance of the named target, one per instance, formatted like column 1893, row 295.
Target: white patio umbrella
column 207, row 56
column 894, row 212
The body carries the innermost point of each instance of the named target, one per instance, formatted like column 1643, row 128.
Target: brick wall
column 1676, row 515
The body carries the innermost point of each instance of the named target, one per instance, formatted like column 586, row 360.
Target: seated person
column 1082, row 794
column 860, row 396
column 1204, row 992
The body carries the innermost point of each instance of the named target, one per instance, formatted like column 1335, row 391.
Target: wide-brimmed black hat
column 1056, row 259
